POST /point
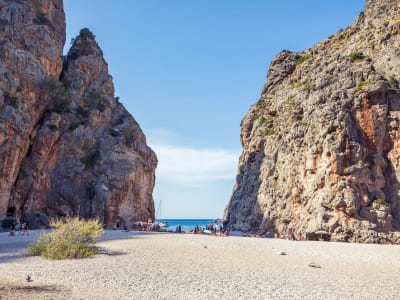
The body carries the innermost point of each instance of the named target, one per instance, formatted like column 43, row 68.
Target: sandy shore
column 172, row 266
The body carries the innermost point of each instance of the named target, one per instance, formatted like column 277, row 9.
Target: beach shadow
column 11, row 258
column 14, row 248
column 22, row 290
column 112, row 235
column 108, row 252
column 29, row 289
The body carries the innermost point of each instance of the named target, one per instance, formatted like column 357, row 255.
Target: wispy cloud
column 191, row 165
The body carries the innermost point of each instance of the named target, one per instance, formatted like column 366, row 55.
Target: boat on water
column 162, row 224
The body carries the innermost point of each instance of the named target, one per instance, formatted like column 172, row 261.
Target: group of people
column 145, row 226
column 23, row 229
column 215, row 229
column 293, row 236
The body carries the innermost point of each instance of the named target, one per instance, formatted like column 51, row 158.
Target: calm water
column 186, row 224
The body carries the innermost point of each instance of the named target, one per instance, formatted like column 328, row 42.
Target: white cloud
column 189, row 165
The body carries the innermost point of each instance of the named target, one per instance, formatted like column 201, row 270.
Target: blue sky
column 188, row 72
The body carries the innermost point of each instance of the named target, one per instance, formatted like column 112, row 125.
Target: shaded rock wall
column 321, row 146
column 67, row 146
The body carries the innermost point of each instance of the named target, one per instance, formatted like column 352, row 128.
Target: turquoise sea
column 186, row 224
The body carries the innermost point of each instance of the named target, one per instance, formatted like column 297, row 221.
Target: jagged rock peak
column 84, row 44
column 321, row 145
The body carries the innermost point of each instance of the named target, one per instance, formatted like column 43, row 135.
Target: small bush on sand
column 71, row 238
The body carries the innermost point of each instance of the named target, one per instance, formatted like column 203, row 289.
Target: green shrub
column 130, row 136
column 97, row 100
column 86, row 34
column 302, row 59
column 394, row 83
column 71, row 238
column 81, row 46
column 356, row 56
column 297, row 85
column 378, row 201
column 361, row 84
column 268, row 132
column 261, row 121
column 58, row 93
column 291, row 100
column 40, row 247
column 309, row 87
column 41, row 19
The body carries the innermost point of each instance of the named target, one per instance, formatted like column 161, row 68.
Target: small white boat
column 163, row 224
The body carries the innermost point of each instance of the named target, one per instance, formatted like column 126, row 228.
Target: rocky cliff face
column 322, row 145
column 67, row 146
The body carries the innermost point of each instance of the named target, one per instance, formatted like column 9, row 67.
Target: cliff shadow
column 244, row 212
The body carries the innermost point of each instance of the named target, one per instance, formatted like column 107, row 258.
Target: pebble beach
column 139, row 265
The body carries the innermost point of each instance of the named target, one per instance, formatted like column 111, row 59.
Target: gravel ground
column 138, row 265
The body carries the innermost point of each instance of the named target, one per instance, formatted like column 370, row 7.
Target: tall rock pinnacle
column 322, row 145
column 68, row 147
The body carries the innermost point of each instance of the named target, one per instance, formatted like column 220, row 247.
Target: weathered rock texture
column 67, row 146
column 322, row 145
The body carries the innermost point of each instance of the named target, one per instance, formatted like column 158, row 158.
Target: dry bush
column 71, row 238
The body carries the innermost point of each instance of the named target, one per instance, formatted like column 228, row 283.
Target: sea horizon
column 186, row 224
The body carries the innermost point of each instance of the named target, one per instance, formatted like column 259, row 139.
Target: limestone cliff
column 322, row 145
column 67, row 146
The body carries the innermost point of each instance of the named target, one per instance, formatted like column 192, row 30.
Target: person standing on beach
column 149, row 224
column 22, row 230
column 25, row 228
column 217, row 229
column 12, row 228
